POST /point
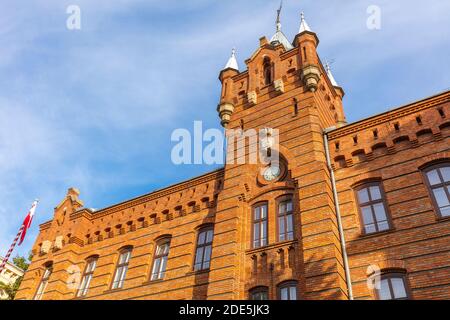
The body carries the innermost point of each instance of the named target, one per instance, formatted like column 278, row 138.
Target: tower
column 285, row 87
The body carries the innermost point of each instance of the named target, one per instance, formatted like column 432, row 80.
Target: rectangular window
column 87, row 277
column 160, row 260
column 43, row 285
column 204, row 248
column 285, row 221
column 438, row 178
column 121, row 269
column 393, row 287
column 373, row 208
column 260, row 226
column 288, row 291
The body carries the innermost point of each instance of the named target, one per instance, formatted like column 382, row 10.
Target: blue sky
column 95, row 108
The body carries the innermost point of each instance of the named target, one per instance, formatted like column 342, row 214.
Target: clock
column 271, row 173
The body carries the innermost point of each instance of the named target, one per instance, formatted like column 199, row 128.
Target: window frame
column 160, row 242
column 430, row 188
column 258, row 222
column 92, row 259
column 126, row 265
column 370, row 203
column 259, row 290
column 394, row 274
column 279, row 201
column 203, row 229
column 43, row 283
column 288, row 284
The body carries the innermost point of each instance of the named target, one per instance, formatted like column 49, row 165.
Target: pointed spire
column 278, row 23
column 303, row 25
column 232, row 62
column 279, row 36
column 330, row 75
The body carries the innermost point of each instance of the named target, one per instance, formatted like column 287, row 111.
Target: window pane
column 201, row 237
column 398, row 287
column 293, row 293
column 256, row 230
column 257, row 213
column 367, row 215
column 445, row 211
column 263, row 212
column 363, row 196
column 445, row 172
column 289, row 206
column 382, row 226
column 290, row 223
column 433, row 177
column 380, row 214
column 162, row 268
column 282, row 208
column 206, row 257
column 209, row 236
column 441, row 197
column 281, row 227
column 284, row 294
column 264, row 232
column 375, row 193
column 155, row 270
column 384, row 291
column 199, row 256
column 370, row 228
column 86, row 285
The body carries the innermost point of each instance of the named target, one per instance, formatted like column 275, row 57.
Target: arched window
column 287, row 290
column 259, row 293
column 438, row 182
column 204, row 248
column 44, row 281
column 372, row 207
column 260, row 225
column 285, row 220
column 160, row 259
column 393, row 286
column 88, row 273
column 267, row 71
column 121, row 268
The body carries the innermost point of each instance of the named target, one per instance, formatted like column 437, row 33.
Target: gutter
column 338, row 214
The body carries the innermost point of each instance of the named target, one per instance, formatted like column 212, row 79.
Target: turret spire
column 278, row 23
column 303, row 25
column 279, row 36
column 232, row 62
column 330, row 75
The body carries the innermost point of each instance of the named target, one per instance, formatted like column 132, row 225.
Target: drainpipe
column 338, row 214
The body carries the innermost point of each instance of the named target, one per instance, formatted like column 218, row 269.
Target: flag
column 27, row 221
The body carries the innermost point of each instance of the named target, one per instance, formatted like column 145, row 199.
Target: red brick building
column 347, row 204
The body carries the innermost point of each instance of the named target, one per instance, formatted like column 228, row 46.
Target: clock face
column 271, row 173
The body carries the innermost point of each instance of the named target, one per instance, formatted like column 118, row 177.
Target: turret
column 307, row 42
column 226, row 105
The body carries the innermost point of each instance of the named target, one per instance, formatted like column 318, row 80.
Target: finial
column 278, row 23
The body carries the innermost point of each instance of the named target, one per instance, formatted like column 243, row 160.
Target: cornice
column 390, row 115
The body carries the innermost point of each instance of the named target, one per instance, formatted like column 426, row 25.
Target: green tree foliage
column 11, row 289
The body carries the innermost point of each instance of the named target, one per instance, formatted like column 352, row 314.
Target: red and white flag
column 27, row 221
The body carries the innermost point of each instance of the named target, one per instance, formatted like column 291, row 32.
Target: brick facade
column 391, row 148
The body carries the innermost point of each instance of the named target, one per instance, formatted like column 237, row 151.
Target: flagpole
column 5, row 260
